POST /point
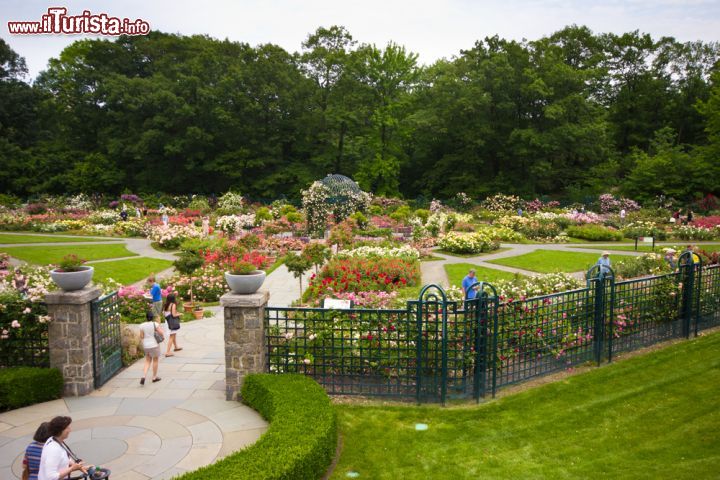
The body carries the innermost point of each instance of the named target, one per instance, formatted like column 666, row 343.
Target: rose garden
column 542, row 310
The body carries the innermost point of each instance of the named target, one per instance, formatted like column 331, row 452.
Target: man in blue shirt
column 604, row 262
column 156, row 294
column 467, row 284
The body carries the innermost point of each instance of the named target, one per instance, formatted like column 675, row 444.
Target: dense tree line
column 568, row 115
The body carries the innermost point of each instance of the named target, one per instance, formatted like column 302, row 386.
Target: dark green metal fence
column 107, row 347
column 434, row 349
column 26, row 346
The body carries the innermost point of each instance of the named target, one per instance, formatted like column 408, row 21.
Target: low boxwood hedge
column 22, row 386
column 302, row 438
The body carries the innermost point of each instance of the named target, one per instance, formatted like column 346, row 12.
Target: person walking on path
column 156, row 296
column 57, row 460
column 165, row 219
column 151, row 346
column 33, row 452
column 172, row 324
column 468, row 283
column 604, row 262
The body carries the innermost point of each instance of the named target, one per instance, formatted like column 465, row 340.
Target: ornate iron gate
column 107, row 347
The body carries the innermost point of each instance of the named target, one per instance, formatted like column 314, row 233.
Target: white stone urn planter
column 245, row 284
column 70, row 281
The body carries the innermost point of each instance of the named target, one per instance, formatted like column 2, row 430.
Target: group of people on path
column 48, row 457
column 153, row 331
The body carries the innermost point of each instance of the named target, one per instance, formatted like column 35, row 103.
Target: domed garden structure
column 335, row 195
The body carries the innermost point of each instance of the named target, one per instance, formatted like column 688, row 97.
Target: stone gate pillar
column 70, row 338
column 244, row 338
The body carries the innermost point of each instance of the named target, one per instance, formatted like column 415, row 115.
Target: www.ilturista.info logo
column 58, row 21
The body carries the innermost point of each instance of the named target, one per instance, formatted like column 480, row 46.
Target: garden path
column 154, row 431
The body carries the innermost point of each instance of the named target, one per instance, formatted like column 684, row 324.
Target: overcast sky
column 433, row 29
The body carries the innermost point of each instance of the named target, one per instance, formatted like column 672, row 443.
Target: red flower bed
column 363, row 275
column 707, row 222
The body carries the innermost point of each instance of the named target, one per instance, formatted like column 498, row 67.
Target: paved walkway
column 284, row 288
column 154, row 431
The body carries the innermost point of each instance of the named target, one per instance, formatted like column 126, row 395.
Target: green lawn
column 658, row 248
column 457, row 271
column 652, row 416
column 18, row 238
column 130, row 270
column 549, row 261
column 48, row 255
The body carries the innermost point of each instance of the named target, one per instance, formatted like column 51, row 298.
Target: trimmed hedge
column 594, row 233
column 22, row 386
column 302, row 438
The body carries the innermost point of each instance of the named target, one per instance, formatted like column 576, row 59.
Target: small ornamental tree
column 297, row 265
column 316, row 253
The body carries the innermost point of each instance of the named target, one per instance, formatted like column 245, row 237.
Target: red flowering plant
column 363, row 275
column 246, row 264
column 707, row 222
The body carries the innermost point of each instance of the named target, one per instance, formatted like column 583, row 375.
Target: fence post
column 485, row 351
column 245, row 347
column 690, row 297
column 70, row 338
column 601, row 276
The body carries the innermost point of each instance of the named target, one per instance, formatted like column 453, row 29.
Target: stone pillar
column 244, row 338
column 70, row 338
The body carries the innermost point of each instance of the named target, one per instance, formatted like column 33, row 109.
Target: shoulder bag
column 158, row 336
column 173, row 322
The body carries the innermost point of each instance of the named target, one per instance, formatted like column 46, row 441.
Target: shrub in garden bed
column 691, row 232
column 208, row 284
column 300, row 442
column 594, row 233
column 502, row 234
column 477, row 242
column 521, row 288
column 537, row 228
column 644, row 229
column 647, row 264
column 22, row 386
column 172, row 236
column 404, row 251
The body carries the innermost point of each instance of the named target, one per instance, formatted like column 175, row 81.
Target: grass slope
column 16, row 238
column 457, row 271
column 131, row 270
column 550, row 261
column 52, row 255
column 652, row 416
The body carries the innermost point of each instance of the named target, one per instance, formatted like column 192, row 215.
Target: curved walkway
column 154, row 431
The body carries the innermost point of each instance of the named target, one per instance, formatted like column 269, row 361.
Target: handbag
column 173, row 322
column 158, row 336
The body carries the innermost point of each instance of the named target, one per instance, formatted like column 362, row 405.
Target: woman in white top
column 55, row 461
column 150, row 346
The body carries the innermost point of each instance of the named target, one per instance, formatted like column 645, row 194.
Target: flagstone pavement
column 156, row 431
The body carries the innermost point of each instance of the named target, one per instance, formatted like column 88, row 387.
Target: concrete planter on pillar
column 70, row 338
column 244, row 338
